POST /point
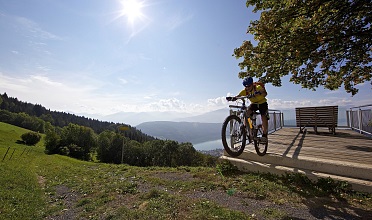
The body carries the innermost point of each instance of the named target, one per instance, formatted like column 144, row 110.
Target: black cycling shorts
column 262, row 108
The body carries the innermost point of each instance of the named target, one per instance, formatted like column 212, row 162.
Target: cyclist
column 258, row 102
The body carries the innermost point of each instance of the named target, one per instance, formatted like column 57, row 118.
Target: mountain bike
column 238, row 129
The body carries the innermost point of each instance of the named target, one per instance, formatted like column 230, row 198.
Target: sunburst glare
column 132, row 10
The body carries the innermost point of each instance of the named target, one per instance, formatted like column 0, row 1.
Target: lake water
column 209, row 145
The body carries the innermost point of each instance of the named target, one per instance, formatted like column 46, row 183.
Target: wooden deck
column 345, row 156
column 346, row 145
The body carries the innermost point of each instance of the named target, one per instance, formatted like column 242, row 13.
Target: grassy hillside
column 40, row 186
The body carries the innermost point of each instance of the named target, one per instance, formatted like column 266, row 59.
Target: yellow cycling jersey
column 257, row 99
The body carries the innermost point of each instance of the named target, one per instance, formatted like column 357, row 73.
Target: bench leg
column 316, row 129
column 332, row 130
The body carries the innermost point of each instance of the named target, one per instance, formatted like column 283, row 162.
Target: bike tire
column 260, row 148
column 236, row 136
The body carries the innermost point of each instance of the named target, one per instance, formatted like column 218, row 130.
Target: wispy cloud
column 291, row 104
column 168, row 105
column 123, row 81
column 177, row 20
column 34, row 30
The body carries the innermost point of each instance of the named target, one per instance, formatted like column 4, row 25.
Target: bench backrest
column 320, row 116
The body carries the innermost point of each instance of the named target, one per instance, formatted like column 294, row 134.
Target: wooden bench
column 321, row 116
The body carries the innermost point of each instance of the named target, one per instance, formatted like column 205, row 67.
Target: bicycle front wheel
column 261, row 148
column 233, row 135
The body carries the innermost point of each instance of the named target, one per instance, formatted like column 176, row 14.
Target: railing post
column 282, row 120
column 351, row 119
column 360, row 120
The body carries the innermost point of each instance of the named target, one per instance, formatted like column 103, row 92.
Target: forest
column 90, row 139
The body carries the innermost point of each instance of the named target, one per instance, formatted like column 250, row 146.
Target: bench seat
column 320, row 116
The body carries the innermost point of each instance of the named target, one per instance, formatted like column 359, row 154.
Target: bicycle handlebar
column 234, row 98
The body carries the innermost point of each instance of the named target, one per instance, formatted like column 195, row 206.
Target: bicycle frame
column 242, row 114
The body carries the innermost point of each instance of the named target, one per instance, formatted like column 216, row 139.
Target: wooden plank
column 320, row 116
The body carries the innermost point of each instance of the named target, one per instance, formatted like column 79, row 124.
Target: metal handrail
column 276, row 121
column 360, row 119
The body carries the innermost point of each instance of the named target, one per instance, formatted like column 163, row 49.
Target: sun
column 132, row 9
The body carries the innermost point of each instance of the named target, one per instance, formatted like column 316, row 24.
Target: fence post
column 23, row 151
column 12, row 154
column 6, row 153
column 28, row 151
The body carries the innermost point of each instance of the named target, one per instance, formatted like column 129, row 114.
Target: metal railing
column 360, row 118
column 276, row 121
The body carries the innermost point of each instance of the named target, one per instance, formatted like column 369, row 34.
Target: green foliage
column 74, row 140
column 31, row 138
column 113, row 146
column 331, row 186
column 23, row 120
column 226, row 168
column 320, row 43
column 52, row 140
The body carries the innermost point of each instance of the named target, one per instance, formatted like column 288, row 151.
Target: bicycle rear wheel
column 233, row 135
column 261, row 148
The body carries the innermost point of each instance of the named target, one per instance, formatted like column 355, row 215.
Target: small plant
column 273, row 213
column 226, row 168
column 333, row 187
column 298, row 178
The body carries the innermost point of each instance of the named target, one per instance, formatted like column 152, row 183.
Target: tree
column 80, row 140
column 319, row 42
column 186, row 154
column 109, row 147
column 52, row 140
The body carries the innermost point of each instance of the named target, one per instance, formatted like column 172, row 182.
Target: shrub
column 31, row 138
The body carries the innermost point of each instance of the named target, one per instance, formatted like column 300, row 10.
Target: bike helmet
column 247, row 81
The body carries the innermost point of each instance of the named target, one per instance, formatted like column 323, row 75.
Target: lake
column 209, row 145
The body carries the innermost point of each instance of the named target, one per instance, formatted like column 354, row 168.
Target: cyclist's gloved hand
column 230, row 98
column 257, row 93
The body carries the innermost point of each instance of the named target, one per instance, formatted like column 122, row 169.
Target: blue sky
column 96, row 57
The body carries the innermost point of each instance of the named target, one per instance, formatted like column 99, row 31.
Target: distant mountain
column 136, row 118
column 193, row 132
column 217, row 116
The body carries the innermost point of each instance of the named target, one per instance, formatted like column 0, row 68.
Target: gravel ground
column 315, row 208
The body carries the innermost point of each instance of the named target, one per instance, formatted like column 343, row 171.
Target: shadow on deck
column 345, row 156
